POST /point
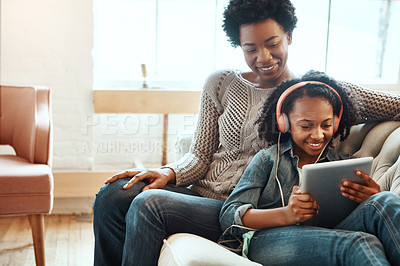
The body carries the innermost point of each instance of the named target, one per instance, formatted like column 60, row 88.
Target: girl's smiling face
column 311, row 127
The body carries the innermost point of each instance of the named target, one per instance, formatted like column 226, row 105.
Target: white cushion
column 184, row 249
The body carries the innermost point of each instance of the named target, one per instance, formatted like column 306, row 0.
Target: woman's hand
column 301, row 207
column 358, row 192
column 158, row 178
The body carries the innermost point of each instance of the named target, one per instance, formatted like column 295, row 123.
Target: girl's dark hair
column 243, row 12
column 267, row 124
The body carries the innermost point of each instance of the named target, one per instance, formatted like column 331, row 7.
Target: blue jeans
column 130, row 232
column 368, row 236
column 129, row 227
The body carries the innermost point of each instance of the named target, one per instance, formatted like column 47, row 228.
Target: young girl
column 301, row 117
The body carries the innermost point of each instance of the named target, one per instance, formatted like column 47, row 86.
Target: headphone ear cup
column 287, row 123
column 280, row 120
column 283, row 123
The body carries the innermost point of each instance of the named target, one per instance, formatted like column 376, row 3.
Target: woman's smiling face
column 311, row 126
column 265, row 49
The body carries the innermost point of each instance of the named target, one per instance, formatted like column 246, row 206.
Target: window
column 181, row 41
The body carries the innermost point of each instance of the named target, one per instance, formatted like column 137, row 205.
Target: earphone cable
column 319, row 156
column 276, row 171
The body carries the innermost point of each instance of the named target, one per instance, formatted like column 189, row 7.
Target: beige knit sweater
column 226, row 137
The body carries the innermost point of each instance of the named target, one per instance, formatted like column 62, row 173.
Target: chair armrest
column 25, row 122
column 44, row 132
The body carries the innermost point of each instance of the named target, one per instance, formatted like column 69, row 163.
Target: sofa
column 379, row 140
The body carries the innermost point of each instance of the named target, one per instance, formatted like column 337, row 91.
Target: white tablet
column 323, row 180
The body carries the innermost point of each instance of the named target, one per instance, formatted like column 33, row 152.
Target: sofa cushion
column 184, row 249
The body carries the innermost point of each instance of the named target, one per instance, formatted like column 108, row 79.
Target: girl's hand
column 301, row 207
column 358, row 192
column 158, row 178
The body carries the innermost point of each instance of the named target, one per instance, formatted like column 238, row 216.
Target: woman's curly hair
column 267, row 123
column 243, row 12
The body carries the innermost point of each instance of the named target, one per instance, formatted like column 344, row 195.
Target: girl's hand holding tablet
column 301, row 207
column 358, row 192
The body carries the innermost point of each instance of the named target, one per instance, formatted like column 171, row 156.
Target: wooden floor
column 68, row 241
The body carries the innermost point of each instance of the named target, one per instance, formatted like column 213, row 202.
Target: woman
column 128, row 226
column 267, row 199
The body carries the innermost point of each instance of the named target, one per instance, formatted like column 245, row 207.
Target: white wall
column 49, row 43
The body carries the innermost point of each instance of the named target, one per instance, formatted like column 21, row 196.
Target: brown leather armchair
column 26, row 180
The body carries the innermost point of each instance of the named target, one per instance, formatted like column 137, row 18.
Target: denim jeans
column 129, row 230
column 129, row 227
column 368, row 236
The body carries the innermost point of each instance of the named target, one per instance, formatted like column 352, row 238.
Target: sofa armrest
column 381, row 141
column 182, row 144
column 355, row 140
column 386, row 165
column 377, row 138
column 188, row 249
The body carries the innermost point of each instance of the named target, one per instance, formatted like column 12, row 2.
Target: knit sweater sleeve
column 194, row 165
column 372, row 105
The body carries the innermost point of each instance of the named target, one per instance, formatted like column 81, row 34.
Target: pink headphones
column 283, row 120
